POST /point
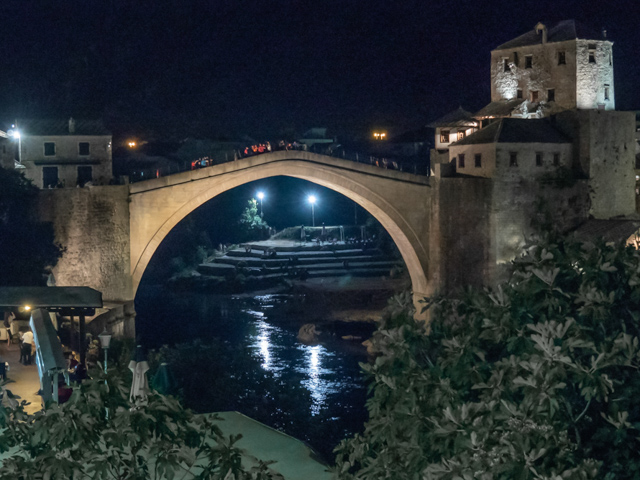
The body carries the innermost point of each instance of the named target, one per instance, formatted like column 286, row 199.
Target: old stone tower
column 547, row 70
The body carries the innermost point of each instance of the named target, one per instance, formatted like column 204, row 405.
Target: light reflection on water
column 268, row 343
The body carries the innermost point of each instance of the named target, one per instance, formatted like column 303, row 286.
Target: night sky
column 261, row 67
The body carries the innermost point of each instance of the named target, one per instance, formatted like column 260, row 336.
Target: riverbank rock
column 308, row 333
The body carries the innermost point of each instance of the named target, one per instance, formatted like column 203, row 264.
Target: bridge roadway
column 400, row 201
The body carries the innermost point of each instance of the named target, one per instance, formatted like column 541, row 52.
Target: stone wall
column 93, row 225
column 604, row 151
column 592, row 78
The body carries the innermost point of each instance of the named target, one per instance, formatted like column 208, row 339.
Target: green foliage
column 77, row 441
column 252, row 226
column 537, row 379
column 27, row 246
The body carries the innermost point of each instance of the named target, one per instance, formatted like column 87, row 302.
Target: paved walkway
column 23, row 380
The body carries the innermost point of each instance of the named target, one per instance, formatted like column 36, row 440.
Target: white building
column 64, row 153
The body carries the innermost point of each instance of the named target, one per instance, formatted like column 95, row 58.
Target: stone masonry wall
column 93, row 224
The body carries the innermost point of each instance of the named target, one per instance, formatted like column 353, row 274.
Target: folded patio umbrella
column 139, row 386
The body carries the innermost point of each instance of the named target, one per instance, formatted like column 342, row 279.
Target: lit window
column 461, row 160
column 49, row 149
column 538, row 159
column 528, row 61
column 562, row 58
column 461, row 134
column 551, row 95
column 478, row 159
column 513, row 159
column 83, row 148
column 444, row 136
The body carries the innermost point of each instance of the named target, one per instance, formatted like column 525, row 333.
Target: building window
column 505, row 65
column 519, row 93
column 538, row 159
column 515, row 59
column 444, row 136
column 49, row 177
column 562, row 58
column 461, row 134
column 85, row 175
column 478, row 159
column 556, row 159
column 83, row 148
column 534, row 95
column 592, row 53
column 551, row 95
column 528, row 61
column 606, row 92
column 49, row 149
column 461, row 160
column 513, row 159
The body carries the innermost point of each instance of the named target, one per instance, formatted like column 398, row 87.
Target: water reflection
column 267, row 343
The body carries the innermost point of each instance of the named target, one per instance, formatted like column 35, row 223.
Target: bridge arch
column 399, row 201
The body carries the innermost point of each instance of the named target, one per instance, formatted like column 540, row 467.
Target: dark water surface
column 329, row 372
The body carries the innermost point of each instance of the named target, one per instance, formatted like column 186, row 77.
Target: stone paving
column 22, row 380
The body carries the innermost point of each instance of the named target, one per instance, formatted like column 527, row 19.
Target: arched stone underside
column 399, row 201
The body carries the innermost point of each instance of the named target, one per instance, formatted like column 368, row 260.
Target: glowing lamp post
column 261, row 197
column 312, row 200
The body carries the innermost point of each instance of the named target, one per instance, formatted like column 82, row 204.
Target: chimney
column 604, row 33
column 72, row 125
column 541, row 27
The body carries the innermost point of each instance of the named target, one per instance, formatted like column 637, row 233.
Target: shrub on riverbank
column 535, row 379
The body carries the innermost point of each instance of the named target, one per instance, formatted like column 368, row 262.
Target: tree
column 535, row 379
column 27, row 246
column 78, row 440
column 251, row 223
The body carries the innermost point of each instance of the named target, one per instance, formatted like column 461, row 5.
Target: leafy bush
column 78, row 440
column 537, row 379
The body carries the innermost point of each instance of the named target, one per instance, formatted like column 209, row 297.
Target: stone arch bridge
column 110, row 233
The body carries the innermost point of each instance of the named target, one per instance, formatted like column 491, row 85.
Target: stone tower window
column 551, row 95
column 592, row 53
column 83, row 148
column 562, row 58
column 534, row 95
column 519, row 93
column 606, row 92
column 478, row 159
column 528, row 61
column 505, row 65
column 515, row 59
column 513, row 159
column 538, row 159
column 461, row 160
column 556, row 159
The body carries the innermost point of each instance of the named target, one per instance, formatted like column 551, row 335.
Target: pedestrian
column 27, row 346
column 303, row 237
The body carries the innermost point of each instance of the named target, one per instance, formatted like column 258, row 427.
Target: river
column 316, row 393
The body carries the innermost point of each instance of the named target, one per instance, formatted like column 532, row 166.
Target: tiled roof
column 500, row 108
column 42, row 127
column 607, row 230
column 457, row 118
column 516, row 130
column 565, row 30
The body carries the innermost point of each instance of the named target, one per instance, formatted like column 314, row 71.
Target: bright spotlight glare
column 312, row 199
column 260, row 195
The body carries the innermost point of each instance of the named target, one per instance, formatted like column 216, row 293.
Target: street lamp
column 261, row 197
column 312, row 200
